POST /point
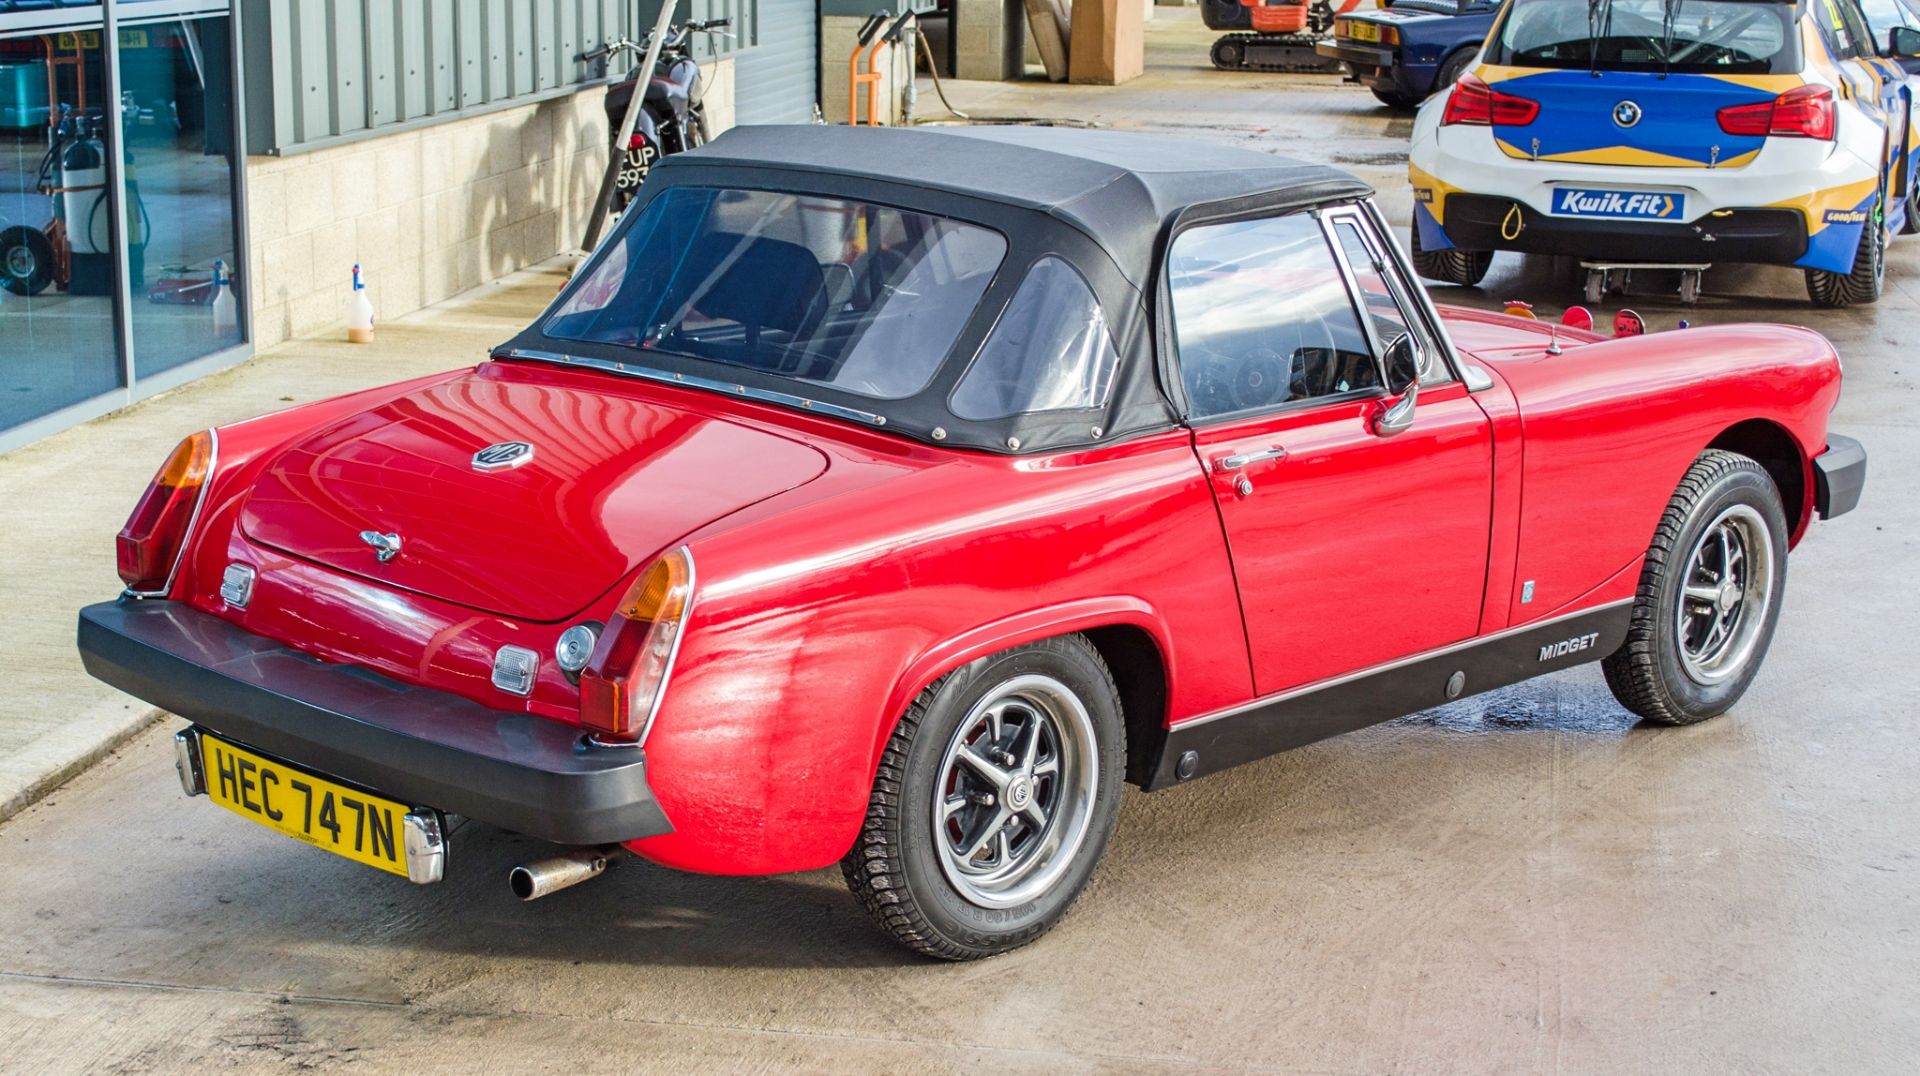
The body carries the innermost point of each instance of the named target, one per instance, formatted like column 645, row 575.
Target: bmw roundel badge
column 1626, row 114
column 502, row 456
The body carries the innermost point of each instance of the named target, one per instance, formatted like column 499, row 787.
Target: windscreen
column 865, row 298
column 1684, row 36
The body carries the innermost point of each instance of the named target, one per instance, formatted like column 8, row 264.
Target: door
column 775, row 79
column 1350, row 548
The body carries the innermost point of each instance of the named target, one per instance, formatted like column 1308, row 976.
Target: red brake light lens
column 621, row 687
column 151, row 542
column 1802, row 112
column 1476, row 104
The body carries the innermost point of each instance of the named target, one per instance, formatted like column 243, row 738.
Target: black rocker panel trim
column 1304, row 715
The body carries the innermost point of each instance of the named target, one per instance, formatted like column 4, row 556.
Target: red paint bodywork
column 842, row 569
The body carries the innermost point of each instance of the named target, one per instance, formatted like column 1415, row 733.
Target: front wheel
column 26, row 260
column 1709, row 595
column 994, row 800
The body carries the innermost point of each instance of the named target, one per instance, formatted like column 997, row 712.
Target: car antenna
column 1553, row 339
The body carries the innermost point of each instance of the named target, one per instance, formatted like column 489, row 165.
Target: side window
column 1050, row 350
column 1262, row 317
column 1387, row 301
column 1836, row 28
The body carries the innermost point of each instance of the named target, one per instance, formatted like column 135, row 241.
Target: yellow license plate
column 1363, row 31
column 329, row 816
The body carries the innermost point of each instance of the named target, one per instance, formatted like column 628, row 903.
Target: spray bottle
column 225, row 317
column 359, row 311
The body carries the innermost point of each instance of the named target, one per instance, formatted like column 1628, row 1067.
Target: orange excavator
column 1273, row 35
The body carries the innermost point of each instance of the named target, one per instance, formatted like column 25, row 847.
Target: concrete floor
column 1523, row 882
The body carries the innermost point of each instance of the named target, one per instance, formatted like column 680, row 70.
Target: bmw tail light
column 1476, row 104
column 150, row 544
column 621, row 688
column 1802, row 112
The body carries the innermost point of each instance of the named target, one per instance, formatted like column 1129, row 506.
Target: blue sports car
column 1405, row 52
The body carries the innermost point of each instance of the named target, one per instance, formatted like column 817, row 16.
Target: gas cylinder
column 83, row 182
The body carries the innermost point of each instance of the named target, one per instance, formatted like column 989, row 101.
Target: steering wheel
column 1260, row 377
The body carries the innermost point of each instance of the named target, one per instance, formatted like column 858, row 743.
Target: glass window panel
column 866, row 298
column 177, row 91
column 1262, row 317
column 1386, row 301
column 1050, row 351
column 58, row 345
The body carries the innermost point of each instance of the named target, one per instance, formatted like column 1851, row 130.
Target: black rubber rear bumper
column 1769, row 236
column 424, row 747
column 1839, row 474
column 1375, row 68
column 1360, row 56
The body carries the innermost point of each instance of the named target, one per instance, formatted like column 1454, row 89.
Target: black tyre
column 1453, row 67
column 1862, row 285
column 993, row 802
column 26, row 260
column 1709, row 595
column 1455, row 266
column 1911, row 224
column 1396, row 99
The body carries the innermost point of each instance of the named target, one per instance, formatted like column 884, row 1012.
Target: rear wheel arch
column 1127, row 633
column 1139, row 670
column 1770, row 445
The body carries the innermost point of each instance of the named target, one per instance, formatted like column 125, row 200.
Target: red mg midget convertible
column 892, row 497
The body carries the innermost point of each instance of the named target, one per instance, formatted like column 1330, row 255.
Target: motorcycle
column 671, row 119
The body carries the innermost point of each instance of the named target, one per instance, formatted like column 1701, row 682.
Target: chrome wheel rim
column 1725, row 595
column 1015, row 792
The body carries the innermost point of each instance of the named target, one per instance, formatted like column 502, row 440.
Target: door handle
column 1241, row 460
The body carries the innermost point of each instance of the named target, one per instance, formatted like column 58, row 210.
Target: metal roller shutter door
column 773, row 82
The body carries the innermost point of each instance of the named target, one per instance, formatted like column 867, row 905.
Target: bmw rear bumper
column 516, row 771
column 1839, row 475
column 1487, row 222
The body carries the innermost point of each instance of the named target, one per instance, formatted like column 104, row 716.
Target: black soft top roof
column 1120, row 188
column 1102, row 201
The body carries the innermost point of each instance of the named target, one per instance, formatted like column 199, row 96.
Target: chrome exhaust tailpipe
column 531, row 881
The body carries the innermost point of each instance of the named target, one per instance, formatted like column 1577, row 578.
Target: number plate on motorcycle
column 304, row 806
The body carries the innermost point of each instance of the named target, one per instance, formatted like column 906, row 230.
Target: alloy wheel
column 1725, row 595
column 1015, row 792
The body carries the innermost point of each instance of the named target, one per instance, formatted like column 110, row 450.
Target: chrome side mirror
column 1402, row 365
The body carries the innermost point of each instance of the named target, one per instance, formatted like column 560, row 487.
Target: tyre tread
column 1633, row 671
column 875, row 869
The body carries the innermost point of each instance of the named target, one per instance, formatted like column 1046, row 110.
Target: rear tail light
column 150, row 545
column 1802, row 112
column 1477, row 104
column 621, row 688
column 638, row 141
